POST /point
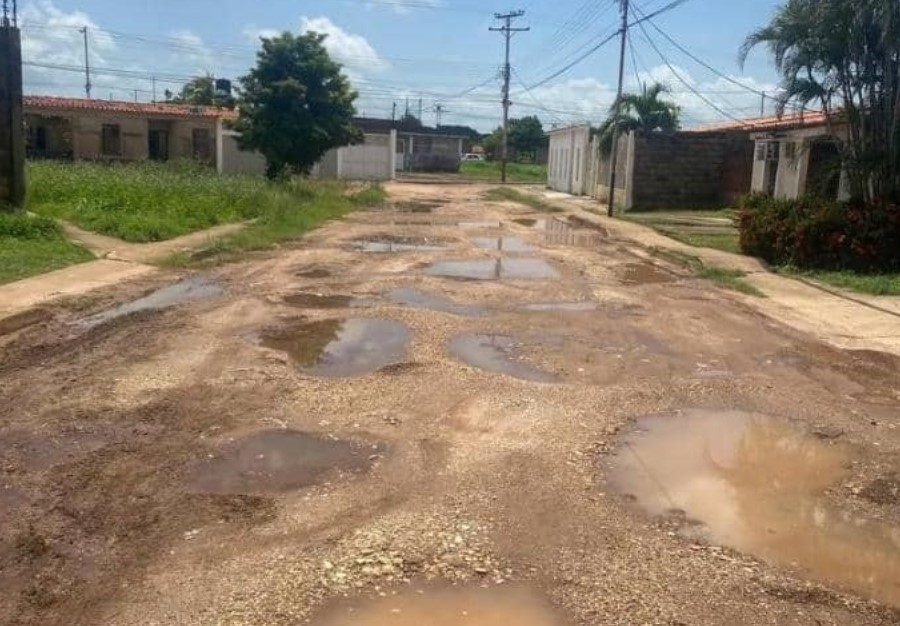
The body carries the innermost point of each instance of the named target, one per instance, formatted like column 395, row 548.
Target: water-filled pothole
column 388, row 244
column 531, row 222
column 559, row 233
column 645, row 274
column 446, row 606
column 315, row 272
column 416, row 299
column 417, row 206
column 479, row 225
column 758, row 485
column 502, row 244
column 495, row 269
column 341, row 348
column 275, row 461
column 308, row 300
column 498, row 354
column 167, row 297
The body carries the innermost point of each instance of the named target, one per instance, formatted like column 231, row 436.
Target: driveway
column 443, row 409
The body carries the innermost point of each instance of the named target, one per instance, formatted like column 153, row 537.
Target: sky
column 438, row 51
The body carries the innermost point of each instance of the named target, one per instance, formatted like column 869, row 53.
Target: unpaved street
column 449, row 408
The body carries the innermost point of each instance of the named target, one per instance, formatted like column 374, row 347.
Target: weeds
column 506, row 194
column 727, row 278
column 32, row 245
column 872, row 284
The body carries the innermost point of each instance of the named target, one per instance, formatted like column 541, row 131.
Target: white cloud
column 254, row 34
column 354, row 51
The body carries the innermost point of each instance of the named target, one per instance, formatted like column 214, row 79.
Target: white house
column 567, row 167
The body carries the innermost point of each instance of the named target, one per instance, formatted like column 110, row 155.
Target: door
column 158, row 145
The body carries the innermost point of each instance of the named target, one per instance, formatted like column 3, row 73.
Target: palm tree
column 644, row 112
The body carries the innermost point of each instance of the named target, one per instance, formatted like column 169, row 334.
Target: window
column 201, row 148
column 40, row 139
column 789, row 150
column 767, row 150
column 111, row 140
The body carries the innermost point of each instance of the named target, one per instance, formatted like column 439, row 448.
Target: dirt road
column 443, row 409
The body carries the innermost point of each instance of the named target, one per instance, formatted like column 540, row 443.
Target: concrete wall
column 231, row 160
column 601, row 166
column 374, row 159
column 683, row 170
column 569, row 159
column 12, row 132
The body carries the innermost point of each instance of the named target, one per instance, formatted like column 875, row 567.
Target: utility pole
column 394, row 112
column 762, row 105
column 438, row 114
column 507, row 31
column 154, row 90
column 614, row 158
column 87, row 64
column 420, row 109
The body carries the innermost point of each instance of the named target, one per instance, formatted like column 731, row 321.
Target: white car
column 471, row 157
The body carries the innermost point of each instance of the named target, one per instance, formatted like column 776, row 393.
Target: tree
column 295, row 105
column 526, row 136
column 645, row 112
column 201, row 91
column 844, row 57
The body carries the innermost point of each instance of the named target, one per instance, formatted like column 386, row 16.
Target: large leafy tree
column 648, row 111
column 526, row 135
column 843, row 56
column 296, row 104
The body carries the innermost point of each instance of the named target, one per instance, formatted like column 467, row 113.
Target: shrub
column 813, row 233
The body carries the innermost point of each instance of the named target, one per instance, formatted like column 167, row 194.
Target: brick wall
column 689, row 170
column 12, row 131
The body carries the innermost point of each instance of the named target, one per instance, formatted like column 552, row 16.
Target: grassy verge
column 143, row 202
column 870, row 284
column 701, row 229
column 304, row 206
column 31, row 245
column 515, row 172
column 507, row 194
column 726, row 278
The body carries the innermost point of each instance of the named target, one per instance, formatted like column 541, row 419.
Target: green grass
column 31, row 245
column 305, row 205
column 701, row 229
column 143, row 202
column 515, row 172
column 726, row 278
column 871, row 284
column 507, row 194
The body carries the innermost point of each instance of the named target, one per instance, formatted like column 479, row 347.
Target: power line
column 507, row 30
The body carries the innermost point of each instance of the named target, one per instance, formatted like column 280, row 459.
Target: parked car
column 471, row 156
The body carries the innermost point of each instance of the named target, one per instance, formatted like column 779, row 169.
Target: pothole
column 495, row 269
column 276, row 461
column 313, row 273
column 341, row 348
column 645, row 274
column 758, row 485
column 505, row 605
column 417, row 206
column 20, row 321
column 564, row 307
column 498, row 354
column 415, row 299
column 389, row 244
column 479, row 225
column 559, row 233
column 186, row 291
column 503, row 244
column 531, row 222
column 307, row 300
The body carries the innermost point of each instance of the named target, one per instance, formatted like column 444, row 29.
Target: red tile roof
column 52, row 103
column 762, row 124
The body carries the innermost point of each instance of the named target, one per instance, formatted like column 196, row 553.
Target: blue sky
column 399, row 49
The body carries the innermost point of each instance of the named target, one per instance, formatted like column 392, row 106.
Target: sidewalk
column 843, row 319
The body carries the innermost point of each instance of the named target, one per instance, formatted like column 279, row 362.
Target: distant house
column 419, row 148
column 569, row 159
column 795, row 155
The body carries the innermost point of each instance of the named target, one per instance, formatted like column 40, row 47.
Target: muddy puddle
column 563, row 307
column 392, row 245
column 559, row 233
column 276, row 461
column 308, row 300
column 313, row 273
column 645, row 274
column 502, row 244
column 341, row 348
column 446, row 606
column 479, row 225
column 415, row 299
column 758, row 485
column 531, row 222
column 418, row 206
column 186, row 291
column 498, row 354
column 495, row 269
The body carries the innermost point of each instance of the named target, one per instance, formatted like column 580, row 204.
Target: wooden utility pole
column 614, row 158
column 507, row 31
column 87, row 64
column 12, row 123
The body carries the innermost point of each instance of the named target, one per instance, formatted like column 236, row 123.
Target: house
column 419, row 148
column 795, row 155
column 569, row 159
